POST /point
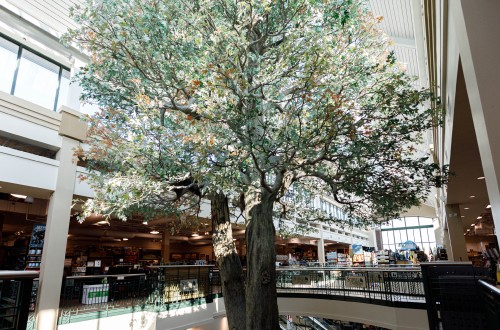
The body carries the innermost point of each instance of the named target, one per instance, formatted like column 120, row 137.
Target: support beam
column 476, row 26
column 456, row 249
column 56, row 234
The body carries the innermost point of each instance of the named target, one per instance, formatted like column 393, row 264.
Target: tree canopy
column 270, row 94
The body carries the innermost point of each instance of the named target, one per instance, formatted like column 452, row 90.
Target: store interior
column 99, row 246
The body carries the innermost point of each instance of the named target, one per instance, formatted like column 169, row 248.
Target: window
column 8, row 62
column 416, row 229
column 32, row 77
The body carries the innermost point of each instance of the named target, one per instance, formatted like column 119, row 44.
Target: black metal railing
column 171, row 287
column 159, row 288
column 452, row 295
column 86, row 297
column 390, row 287
column 490, row 298
column 176, row 284
column 15, row 297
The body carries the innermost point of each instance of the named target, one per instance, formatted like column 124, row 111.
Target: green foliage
column 238, row 94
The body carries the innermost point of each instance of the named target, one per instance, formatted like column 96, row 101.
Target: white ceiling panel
column 397, row 14
column 52, row 15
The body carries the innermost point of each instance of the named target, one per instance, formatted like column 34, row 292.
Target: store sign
column 354, row 281
column 37, row 236
column 358, row 258
column 188, row 286
column 301, row 279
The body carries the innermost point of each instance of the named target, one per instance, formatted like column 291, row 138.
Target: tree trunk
column 262, row 305
column 228, row 261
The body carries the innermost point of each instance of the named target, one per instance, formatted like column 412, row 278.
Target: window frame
column 37, row 53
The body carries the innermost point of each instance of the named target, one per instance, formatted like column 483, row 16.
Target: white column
column 72, row 130
column 321, row 248
column 475, row 24
column 56, row 234
column 456, row 250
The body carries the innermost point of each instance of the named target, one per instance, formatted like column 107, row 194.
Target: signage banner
column 355, row 281
column 37, row 236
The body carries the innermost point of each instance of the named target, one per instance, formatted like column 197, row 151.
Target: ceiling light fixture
column 102, row 222
column 154, row 232
column 489, row 206
column 18, row 196
column 466, row 208
column 195, row 234
column 472, row 196
column 124, row 239
column 462, row 216
column 481, row 178
column 479, row 217
column 145, row 222
column 473, row 225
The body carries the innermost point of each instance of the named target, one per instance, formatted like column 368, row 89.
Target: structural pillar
column 456, row 248
column 321, row 248
column 72, row 131
column 475, row 24
column 165, row 246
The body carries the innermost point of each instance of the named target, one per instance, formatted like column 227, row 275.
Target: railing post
column 24, row 306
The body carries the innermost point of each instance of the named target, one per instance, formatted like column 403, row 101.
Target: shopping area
column 98, row 246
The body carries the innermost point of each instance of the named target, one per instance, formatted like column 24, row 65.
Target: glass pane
column 425, row 221
column 398, row 240
column 432, row 236
column 63, row 89
column 385, row 237
column 390, row 237
column 8, row 63
column 411, row 235
column 411, row 221
column 398, row 223
column 404, row 236
column 425, row 236
column 37, row 80
column 418, row 238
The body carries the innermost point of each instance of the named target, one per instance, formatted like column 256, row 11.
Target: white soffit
column 49, row 15
column 398, row 23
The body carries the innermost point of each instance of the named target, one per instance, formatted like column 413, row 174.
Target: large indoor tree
column 267, row 102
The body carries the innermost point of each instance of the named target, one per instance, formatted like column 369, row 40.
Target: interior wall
column 478, row 243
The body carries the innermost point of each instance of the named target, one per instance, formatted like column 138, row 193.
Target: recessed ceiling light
column 473, row 225
column 154, row 232
column 481, row 178
column 195, row 234
column 472, row 196
column 124, row 239
column 468, row 229
column 480, row 217
column 489, row 206
column 462, row 216
column 466, row 208
column 102, row 222
column 18, row 196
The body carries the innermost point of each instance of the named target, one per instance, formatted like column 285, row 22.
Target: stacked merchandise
column 383, row 257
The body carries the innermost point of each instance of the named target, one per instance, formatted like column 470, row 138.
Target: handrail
column 367, row 269
column 493, row 288
column 180, row 266
column 103, row 276
column 17, row 274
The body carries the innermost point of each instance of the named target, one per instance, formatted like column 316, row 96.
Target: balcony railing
column 390, row 287
column 172, row 287
column 15, row 296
